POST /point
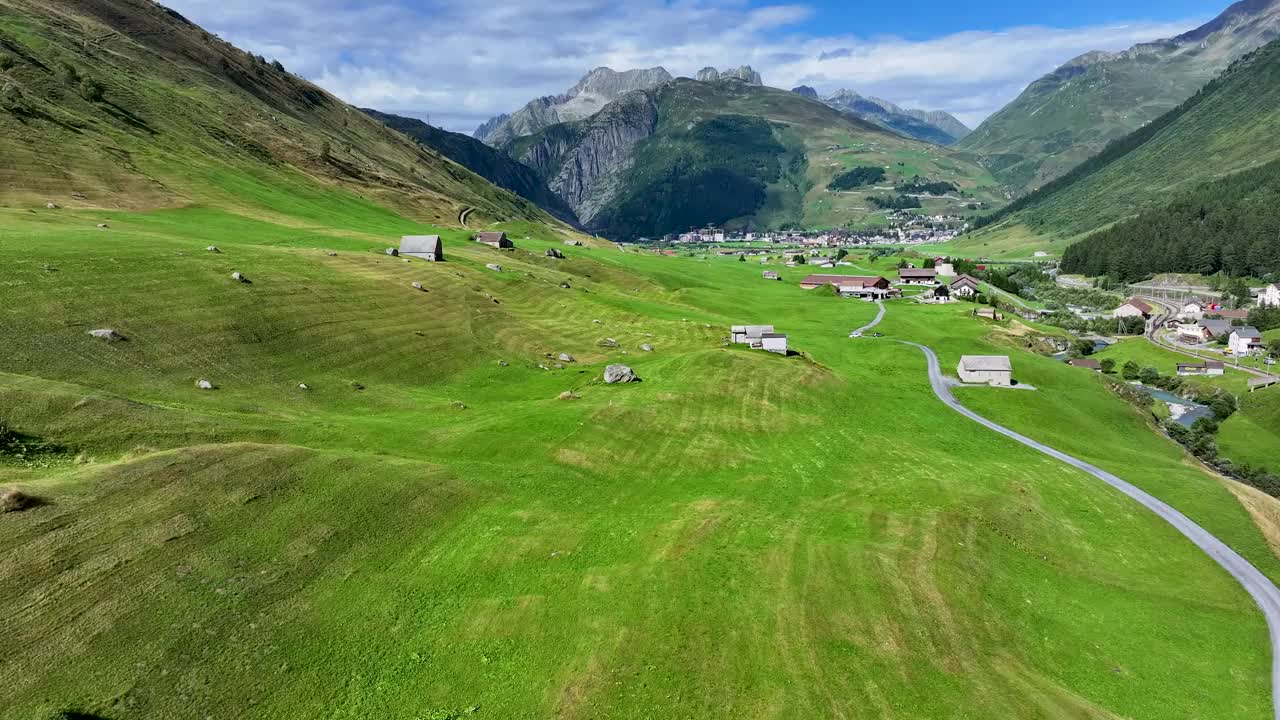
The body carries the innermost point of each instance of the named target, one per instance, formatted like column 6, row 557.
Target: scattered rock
column 608, row 343
column 573, row 243
column 239, row 277
column 16, row 500
column 418, row 286
column 558, row 366
column 503, row 363
column 50, row 206
column 646, row 347
column 566, row 357
column 103, row 226
column 205, row 384
column 332, row 254
column 569, row 395
column 494, row 267
column 458, row 405
column 303, row 386
column 615, row 374
column 393, row 252
column 213, row 249
column 597, row 322
column 107, row 334
column 543, row 367
column 554, row 253
column 79, row 195
column 564, row 285
column 356, row 386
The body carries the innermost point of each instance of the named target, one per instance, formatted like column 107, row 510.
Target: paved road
column 873, row 323
column 1264, row 592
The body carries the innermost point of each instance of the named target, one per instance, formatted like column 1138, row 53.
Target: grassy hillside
column 1072, row 113
column 487, row 162
column 1227, row 127
column 123, row 104
column 743, row 156
column 428, row 531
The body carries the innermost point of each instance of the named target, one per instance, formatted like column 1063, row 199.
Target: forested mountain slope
column 1228, row 126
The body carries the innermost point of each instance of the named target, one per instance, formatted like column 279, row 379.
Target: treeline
column 1116, row 149
column 1231, row 226
column 891, row 202
column 924, row 187
column 857, row 177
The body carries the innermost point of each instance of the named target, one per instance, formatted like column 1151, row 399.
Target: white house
column 1193, row 310
column 988, row 369
column 1245, row 341
column 945, row 269
column 774, row 343
column 1133, row 307
column 749, row 334
column 964, row 286
column 917, row 276
column 1270, row 296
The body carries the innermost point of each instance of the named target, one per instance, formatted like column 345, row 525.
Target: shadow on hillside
column 127, row 117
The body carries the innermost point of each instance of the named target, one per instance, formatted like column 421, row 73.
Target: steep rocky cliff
column 595, row 90
column 585, row 159
column 743, row 73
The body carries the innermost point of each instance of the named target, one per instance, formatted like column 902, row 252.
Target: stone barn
column 986, row 369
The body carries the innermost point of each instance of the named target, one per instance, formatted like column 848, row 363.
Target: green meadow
column 429, row 531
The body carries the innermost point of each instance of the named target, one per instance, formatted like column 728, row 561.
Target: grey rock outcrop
column 592, row 93
column 646, row 347
column 205, row 384
column 805, row 91
column 494, row 267
column 393, row 252
column 744, row 73
column 239, row 277
column 554, row 253
column 213, row 249
column 615, row 374
column 107, row 334
column 586, row 166
column 566, row 357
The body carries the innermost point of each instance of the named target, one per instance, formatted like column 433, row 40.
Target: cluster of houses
column 863, row 287
column 759, row 337
column 964, row 286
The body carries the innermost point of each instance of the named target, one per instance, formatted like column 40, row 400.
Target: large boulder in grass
column 554, row 253
column 107, row 334
column 615, row 374
column 566, row 357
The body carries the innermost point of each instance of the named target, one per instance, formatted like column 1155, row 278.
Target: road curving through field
column 1259, row 586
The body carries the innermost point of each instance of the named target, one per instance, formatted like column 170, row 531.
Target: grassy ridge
column 739, row 534
column 1225, row 128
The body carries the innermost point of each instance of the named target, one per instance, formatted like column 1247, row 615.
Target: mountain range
column 1073, row 112
column 937, row 127
column 691, row 152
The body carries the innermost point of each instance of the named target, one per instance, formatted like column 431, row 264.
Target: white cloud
column 461, row 62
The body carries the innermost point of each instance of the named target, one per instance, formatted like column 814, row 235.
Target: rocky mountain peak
column 744, row 73
column 609, row 83
column 805, row 91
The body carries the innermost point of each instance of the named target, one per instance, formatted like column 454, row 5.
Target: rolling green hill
column 689, row 153
column 122, row 103
column 400, row 501
column 491, row 164
column 1228, row 126
column 1072, row 113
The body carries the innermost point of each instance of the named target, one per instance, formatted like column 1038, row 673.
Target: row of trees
column 857, row 177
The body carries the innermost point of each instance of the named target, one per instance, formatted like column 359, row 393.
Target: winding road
column 1263, row 591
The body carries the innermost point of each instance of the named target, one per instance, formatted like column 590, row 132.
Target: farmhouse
column 918, row 276
column 1208, row 367
column 494, row 239
column 988, row 369
column 1245, row 341
column 749, row 334
column 771, row 275
column 1086, row 363
column 813, row 282
column 773, row 342
column 937, row 295
column 1193, row 310
column 1270, row 296
column 1204, row 331
column 964, row 286
column 424, row 247
column 1133, row 307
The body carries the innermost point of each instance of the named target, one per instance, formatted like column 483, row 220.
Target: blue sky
column 459, row 62
column 923, row 19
